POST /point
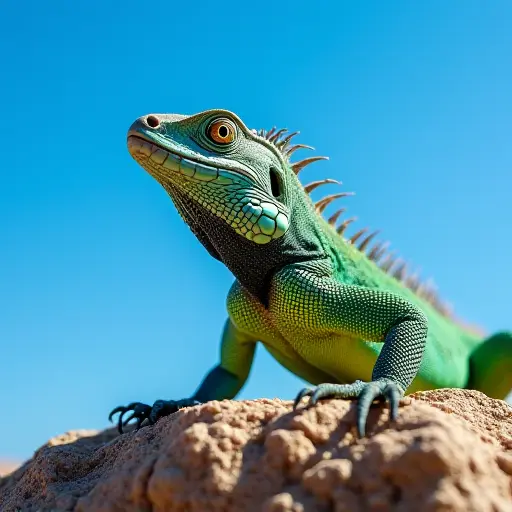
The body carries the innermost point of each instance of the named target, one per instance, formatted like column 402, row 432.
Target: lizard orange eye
column 222, row 131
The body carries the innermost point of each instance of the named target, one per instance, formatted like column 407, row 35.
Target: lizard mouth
column 157, row 160
column 249, row 215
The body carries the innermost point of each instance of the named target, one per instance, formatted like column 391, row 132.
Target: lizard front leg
column 224, row 381
column 318, row 302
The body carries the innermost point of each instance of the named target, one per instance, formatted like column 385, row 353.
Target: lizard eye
column 222, row 131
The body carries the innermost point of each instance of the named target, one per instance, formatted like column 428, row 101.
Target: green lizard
column 334, row 311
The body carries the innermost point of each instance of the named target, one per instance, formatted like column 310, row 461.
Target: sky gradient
column 105, row 295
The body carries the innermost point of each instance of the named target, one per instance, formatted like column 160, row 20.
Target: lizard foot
column 365, row 392
column 142, row 412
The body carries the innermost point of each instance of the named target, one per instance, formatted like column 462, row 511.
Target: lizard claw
column 142, row 412
column 302, row 393
column 139, row 410
column 365, row 392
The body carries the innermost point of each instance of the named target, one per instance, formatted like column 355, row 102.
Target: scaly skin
column 319, row 304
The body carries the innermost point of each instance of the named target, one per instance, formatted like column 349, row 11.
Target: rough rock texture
column 450, row 450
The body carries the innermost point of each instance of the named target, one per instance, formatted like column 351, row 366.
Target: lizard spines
column 321, row 205
column 335, row 216
column 283, row 143
column 375, row 251
column 344, row 225
column 298, row 166
column 278, row 134
column 295, row 147
column 354, row 238
column 315, row 184
column 366, row 241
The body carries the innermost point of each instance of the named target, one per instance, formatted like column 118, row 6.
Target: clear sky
column 106, row 296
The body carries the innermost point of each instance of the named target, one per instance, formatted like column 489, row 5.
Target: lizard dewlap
column 337, row 311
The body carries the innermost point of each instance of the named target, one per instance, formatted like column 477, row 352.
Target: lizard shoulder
column 245, row 311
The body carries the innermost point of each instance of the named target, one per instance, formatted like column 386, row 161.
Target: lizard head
column 212, row 161
column 235, row 188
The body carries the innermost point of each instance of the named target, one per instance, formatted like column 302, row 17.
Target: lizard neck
column 254, row 265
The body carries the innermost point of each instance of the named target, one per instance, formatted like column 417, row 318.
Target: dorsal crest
column 363, row 239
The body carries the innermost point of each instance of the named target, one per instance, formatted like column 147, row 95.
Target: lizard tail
column 491, row 366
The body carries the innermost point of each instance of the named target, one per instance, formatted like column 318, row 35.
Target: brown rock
column 450, row 450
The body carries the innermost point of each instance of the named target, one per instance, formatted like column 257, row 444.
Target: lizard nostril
column 152, row 121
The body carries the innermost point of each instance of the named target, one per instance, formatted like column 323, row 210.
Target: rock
column 450, row 450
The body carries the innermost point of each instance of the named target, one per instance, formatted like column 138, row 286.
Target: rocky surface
column 450, row 450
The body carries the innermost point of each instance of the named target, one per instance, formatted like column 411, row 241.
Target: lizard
column 340, row 312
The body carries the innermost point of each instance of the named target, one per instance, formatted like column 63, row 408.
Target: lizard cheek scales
column 225, row 193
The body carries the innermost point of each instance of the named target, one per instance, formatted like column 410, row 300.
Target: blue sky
column 105, row 295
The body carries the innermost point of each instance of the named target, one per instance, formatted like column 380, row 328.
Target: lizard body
column 334, row 311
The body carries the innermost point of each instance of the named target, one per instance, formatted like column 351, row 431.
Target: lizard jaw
column 159, row 162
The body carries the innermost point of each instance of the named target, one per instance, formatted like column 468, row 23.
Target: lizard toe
column 140, row 412
column 365, row 392
column 328, row 390
column 336, row 391
column 302, row 393
column 381, row 389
